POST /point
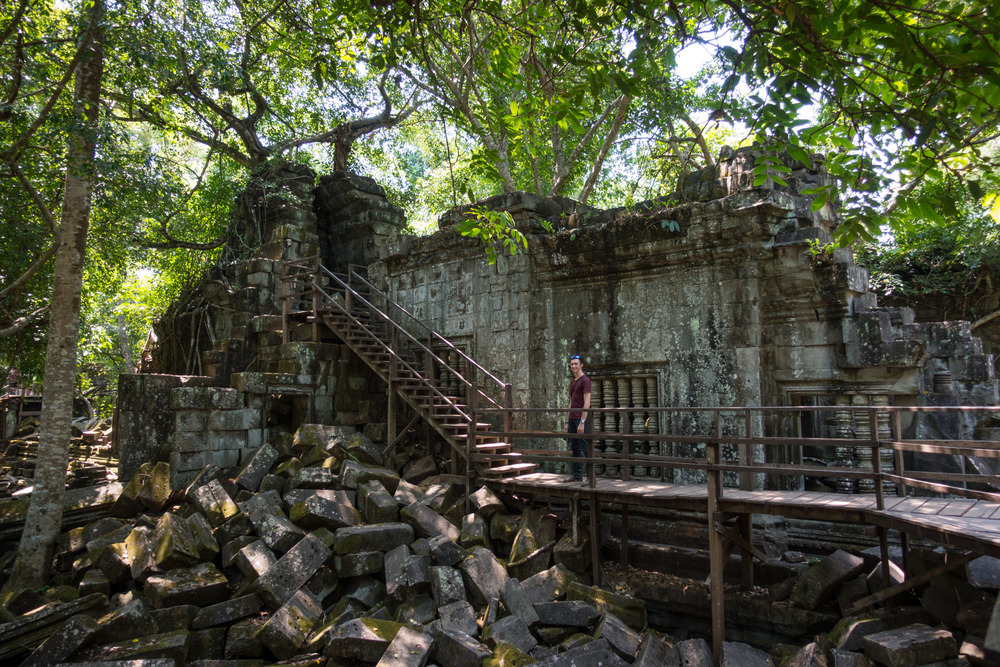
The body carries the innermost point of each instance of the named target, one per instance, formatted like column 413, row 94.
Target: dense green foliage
column 449, row 102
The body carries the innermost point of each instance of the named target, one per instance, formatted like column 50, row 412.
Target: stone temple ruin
column 718, row 295
column 722, row 294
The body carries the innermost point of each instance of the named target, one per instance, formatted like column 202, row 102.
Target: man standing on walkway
column 579, row 404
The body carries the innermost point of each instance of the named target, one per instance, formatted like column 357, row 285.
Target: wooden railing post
column 716, row 549
column 883, row 533
column 470, row 444
column 897, row 455
column 508, row 406
column 348, row 301
column 626, row 446
column 315, row 299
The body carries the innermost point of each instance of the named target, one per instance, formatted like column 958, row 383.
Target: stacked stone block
column 212, row 426
column 355, row 220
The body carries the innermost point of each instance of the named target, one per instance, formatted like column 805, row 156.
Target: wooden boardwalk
column 972, row 525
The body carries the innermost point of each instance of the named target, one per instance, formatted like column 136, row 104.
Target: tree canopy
column 455, row 101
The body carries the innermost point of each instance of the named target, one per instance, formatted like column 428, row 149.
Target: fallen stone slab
column 406, row 493
column 77, row 632
column 457, row 649
column 155, row 491
column 911, row 645
column 359, row 564
column 549, row 585
column 849, row 659
column 504, row 527
column 202, row 584
column 820, row 582
column 206, row 645
column 474, row 532
column 366, row 591
column 655, row 651
column 631, row 610
column 113, row 562
column 242, row 641
column 379, row 537
column 226, row 612
column 416, row 610
column 212, row 500
column 276, row 530
column 695, row 653
column 255, row 559
column 359, row 448
column 408, row 649
column 459, row 616
column 485, row 577
column 308, row 436
column 417, row 470
column 180, row 617
column 364, row 639
column 314, row 477
column 446, row 585
column 596, row 653
column 509, row 630
column 170, row 645
column 94, row 581
column 377, row 505
column 353, row 474
column 406, row 574
column 174, row 544
column 445, row 551
column 127, row 622
column 623, row 639
column 257, row 466
column 486, row 502
column 428, row 523
column 208, row 547
column 517, row 602
column 325, row 508
column 572, row 613
column 288, row 628
column 290, row 573
column 142, row 560
column 738, row 654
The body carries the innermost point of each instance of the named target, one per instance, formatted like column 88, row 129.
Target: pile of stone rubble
column 315, row 553
column 90, row 454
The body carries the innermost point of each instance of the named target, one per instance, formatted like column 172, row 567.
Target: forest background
column 449, row 102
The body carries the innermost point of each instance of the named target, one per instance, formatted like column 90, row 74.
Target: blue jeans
column 579, row 446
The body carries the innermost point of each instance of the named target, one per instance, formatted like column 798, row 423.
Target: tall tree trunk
column 44, row 518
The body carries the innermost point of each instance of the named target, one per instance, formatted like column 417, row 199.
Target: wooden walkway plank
column 957, row 507
column 963, row 522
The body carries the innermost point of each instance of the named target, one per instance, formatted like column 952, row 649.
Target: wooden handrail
column 472, row 362
column 413, row 339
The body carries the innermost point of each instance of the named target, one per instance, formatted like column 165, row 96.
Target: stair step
column 492, row 446
column 519, row 468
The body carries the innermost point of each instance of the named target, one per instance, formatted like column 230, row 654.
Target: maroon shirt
column 577, row 388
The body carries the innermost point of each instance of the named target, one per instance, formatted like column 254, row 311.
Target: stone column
column 843, row 456
column 862, row 422
column 884, row 426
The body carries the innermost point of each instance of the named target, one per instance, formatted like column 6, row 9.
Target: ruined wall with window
column 720, row 295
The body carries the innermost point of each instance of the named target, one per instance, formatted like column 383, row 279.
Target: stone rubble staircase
column 422, row 379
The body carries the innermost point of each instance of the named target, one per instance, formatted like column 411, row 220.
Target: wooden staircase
column 417, row 363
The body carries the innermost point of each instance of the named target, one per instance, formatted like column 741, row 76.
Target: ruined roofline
column 732, row 175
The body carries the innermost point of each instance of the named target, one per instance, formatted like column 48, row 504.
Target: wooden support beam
column 737, row 540
column 715, row 547
column 745, row 523
column 625, row 535
column 887, row 593
column 595, row 552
